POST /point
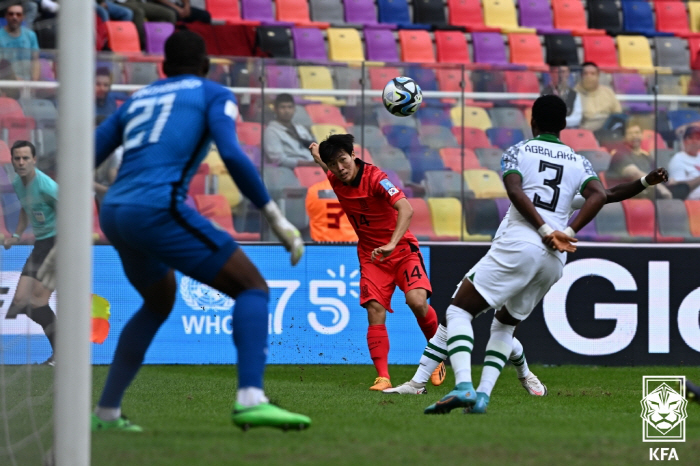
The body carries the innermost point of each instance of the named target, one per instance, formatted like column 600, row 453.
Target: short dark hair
column 589, row 63
column 558, row 62
column 549, row 113
column 103, row 71
column 185, row 49
column 21, row 143
column 333, row 145
column 283, row 99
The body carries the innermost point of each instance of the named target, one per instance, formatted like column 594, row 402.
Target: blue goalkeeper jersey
column 166, row 129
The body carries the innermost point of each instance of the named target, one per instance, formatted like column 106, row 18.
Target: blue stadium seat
column 679, row 118
column 402, row 137
column 504, row 137
column 396, row 12
column 423, row 159
column 638, row 18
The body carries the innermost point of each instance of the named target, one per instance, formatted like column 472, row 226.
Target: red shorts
column 378, row 280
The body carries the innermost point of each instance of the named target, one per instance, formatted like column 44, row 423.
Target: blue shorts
column 152, row 241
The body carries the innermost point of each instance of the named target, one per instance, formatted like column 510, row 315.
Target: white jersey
column 552, row 173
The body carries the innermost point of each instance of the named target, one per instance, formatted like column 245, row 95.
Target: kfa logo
column 663, row 409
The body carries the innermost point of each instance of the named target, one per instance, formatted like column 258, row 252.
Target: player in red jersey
column 388, row 253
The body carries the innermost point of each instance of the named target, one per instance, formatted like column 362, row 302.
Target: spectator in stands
column 111, row 11
column 685, row 165
column 559, row 85
column 327, row 221
column 19, row 45
column 105, row 100
column 184, row 11
column 598, row 101
column 8, row 74
column 286, row 143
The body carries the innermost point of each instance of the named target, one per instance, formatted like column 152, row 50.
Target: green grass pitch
column 591, row 417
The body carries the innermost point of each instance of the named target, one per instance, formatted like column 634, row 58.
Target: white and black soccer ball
column 402, row 96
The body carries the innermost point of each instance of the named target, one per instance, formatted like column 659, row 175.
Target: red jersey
column 368, row 202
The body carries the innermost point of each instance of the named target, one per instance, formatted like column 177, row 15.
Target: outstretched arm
column 630, row 189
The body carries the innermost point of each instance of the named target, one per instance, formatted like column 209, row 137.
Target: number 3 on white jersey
column 165, row 102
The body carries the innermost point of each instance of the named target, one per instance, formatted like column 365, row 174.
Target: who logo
column 663, row 408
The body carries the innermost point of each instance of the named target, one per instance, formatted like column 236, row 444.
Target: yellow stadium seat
column 501, row 14
column 213, row 159
column 474, row 117
column 486, row 184
column 694, row 13
column 318, row 77
column 634, row 52
column 446, row 213
column 321, row 132
column 229, row 190
column 345, row 44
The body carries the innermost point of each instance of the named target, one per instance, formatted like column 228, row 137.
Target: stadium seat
column 123, row 37
column 39, row 109
column 672, row 52
column 694, row 16
column 5, row 156
column 638, row 18
column 570, row 15
column 489, row 158
column 297, row 12
column 436, row 115
column 436, row 136
column 600, row 50
column 468, row 14
column 603, row 14
column 380, row 76
column 317, row 77
column 362, row 153
column 215, row 208
column 199, row 184
column 693, row 208
column 508, row 117
column 249, row 133
column 600, row 159
column 579, row 139
column 472, row 138
column 611, row 222
column 525, row 49
column 10, row 107
column 321, row 132
column 98, row 235
column 17, row 128
column 489, row 48
column 446, row 213
column 416, row 46
column 473, row 117
column 640, row 217
column 672, row 17
column 445, row 183
column 282, row 76
column 309, row 176
column 522, row 82
column 452, row 158
column 374, row 139
column 452, row 47
column 504, row 137
column 648, row 143
column 430, row 12
column 309, row 44
column 324, row 114
column 223, row 11
column 274, row 40
column 481, row 216
column 635, row 52
column 393, row 158
column 253, row 153
column 683, row 117
column 345, row 44
column 158, row 33
column 502, row 15
column 561, row 46
column 632, row 83
column 141, row 72
column 671, row 84
column 396, row 12
column 381, row 45
column 327, row 11
column 401, row 136
column 421, row 224
column 673, row 218
column 227, row 188
column 363, row 12
column 46, row 142
column 538, row 14
column 486, row 184
column 424, row 75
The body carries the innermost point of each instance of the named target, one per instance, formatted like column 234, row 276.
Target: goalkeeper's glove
column 285, row 231
column 47, row 271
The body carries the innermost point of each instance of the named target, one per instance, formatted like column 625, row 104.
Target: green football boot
column 267, row 415
column 122, row 424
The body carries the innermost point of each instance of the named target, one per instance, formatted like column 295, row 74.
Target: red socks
column 429, row 323
column 378, row 344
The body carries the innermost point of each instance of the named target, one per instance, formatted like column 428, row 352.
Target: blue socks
column 250, row 326
column 135, row 339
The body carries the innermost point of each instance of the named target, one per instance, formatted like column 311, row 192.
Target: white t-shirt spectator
column 683, row 167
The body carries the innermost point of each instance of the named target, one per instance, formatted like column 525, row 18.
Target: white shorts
column 515, row 274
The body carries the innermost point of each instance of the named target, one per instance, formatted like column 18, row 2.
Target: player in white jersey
column 436, row 350
column 541, row 176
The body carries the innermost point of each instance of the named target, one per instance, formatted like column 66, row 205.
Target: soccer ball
column 402, row 96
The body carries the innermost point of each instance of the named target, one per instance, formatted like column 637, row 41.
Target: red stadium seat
column 5, row 156
column 525, row 49
column 249, row 133
column 18, row 128
column 452, row 158
column 640, row 216
column 522, row 82
column 648, row 140
column 416, row 46
column 363, row 154
column 452, row 47
column 198, row 185
column 693, row 208
column 601, row 50
column 324, row 114
column 579, row 139
column 297, row 12
column 228, row 11
column 97, row 233
column 10, row 107
column 569, row 14
column 474, row 138
column 468, row 14
column 693, row 45
column 421, row 223
column 450, row 79
column 378, row 77
column 123, row 37
column 672, row 17
column 215, row 207
column 309, row 176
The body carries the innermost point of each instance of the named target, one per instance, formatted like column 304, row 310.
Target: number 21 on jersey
column 156, row 123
